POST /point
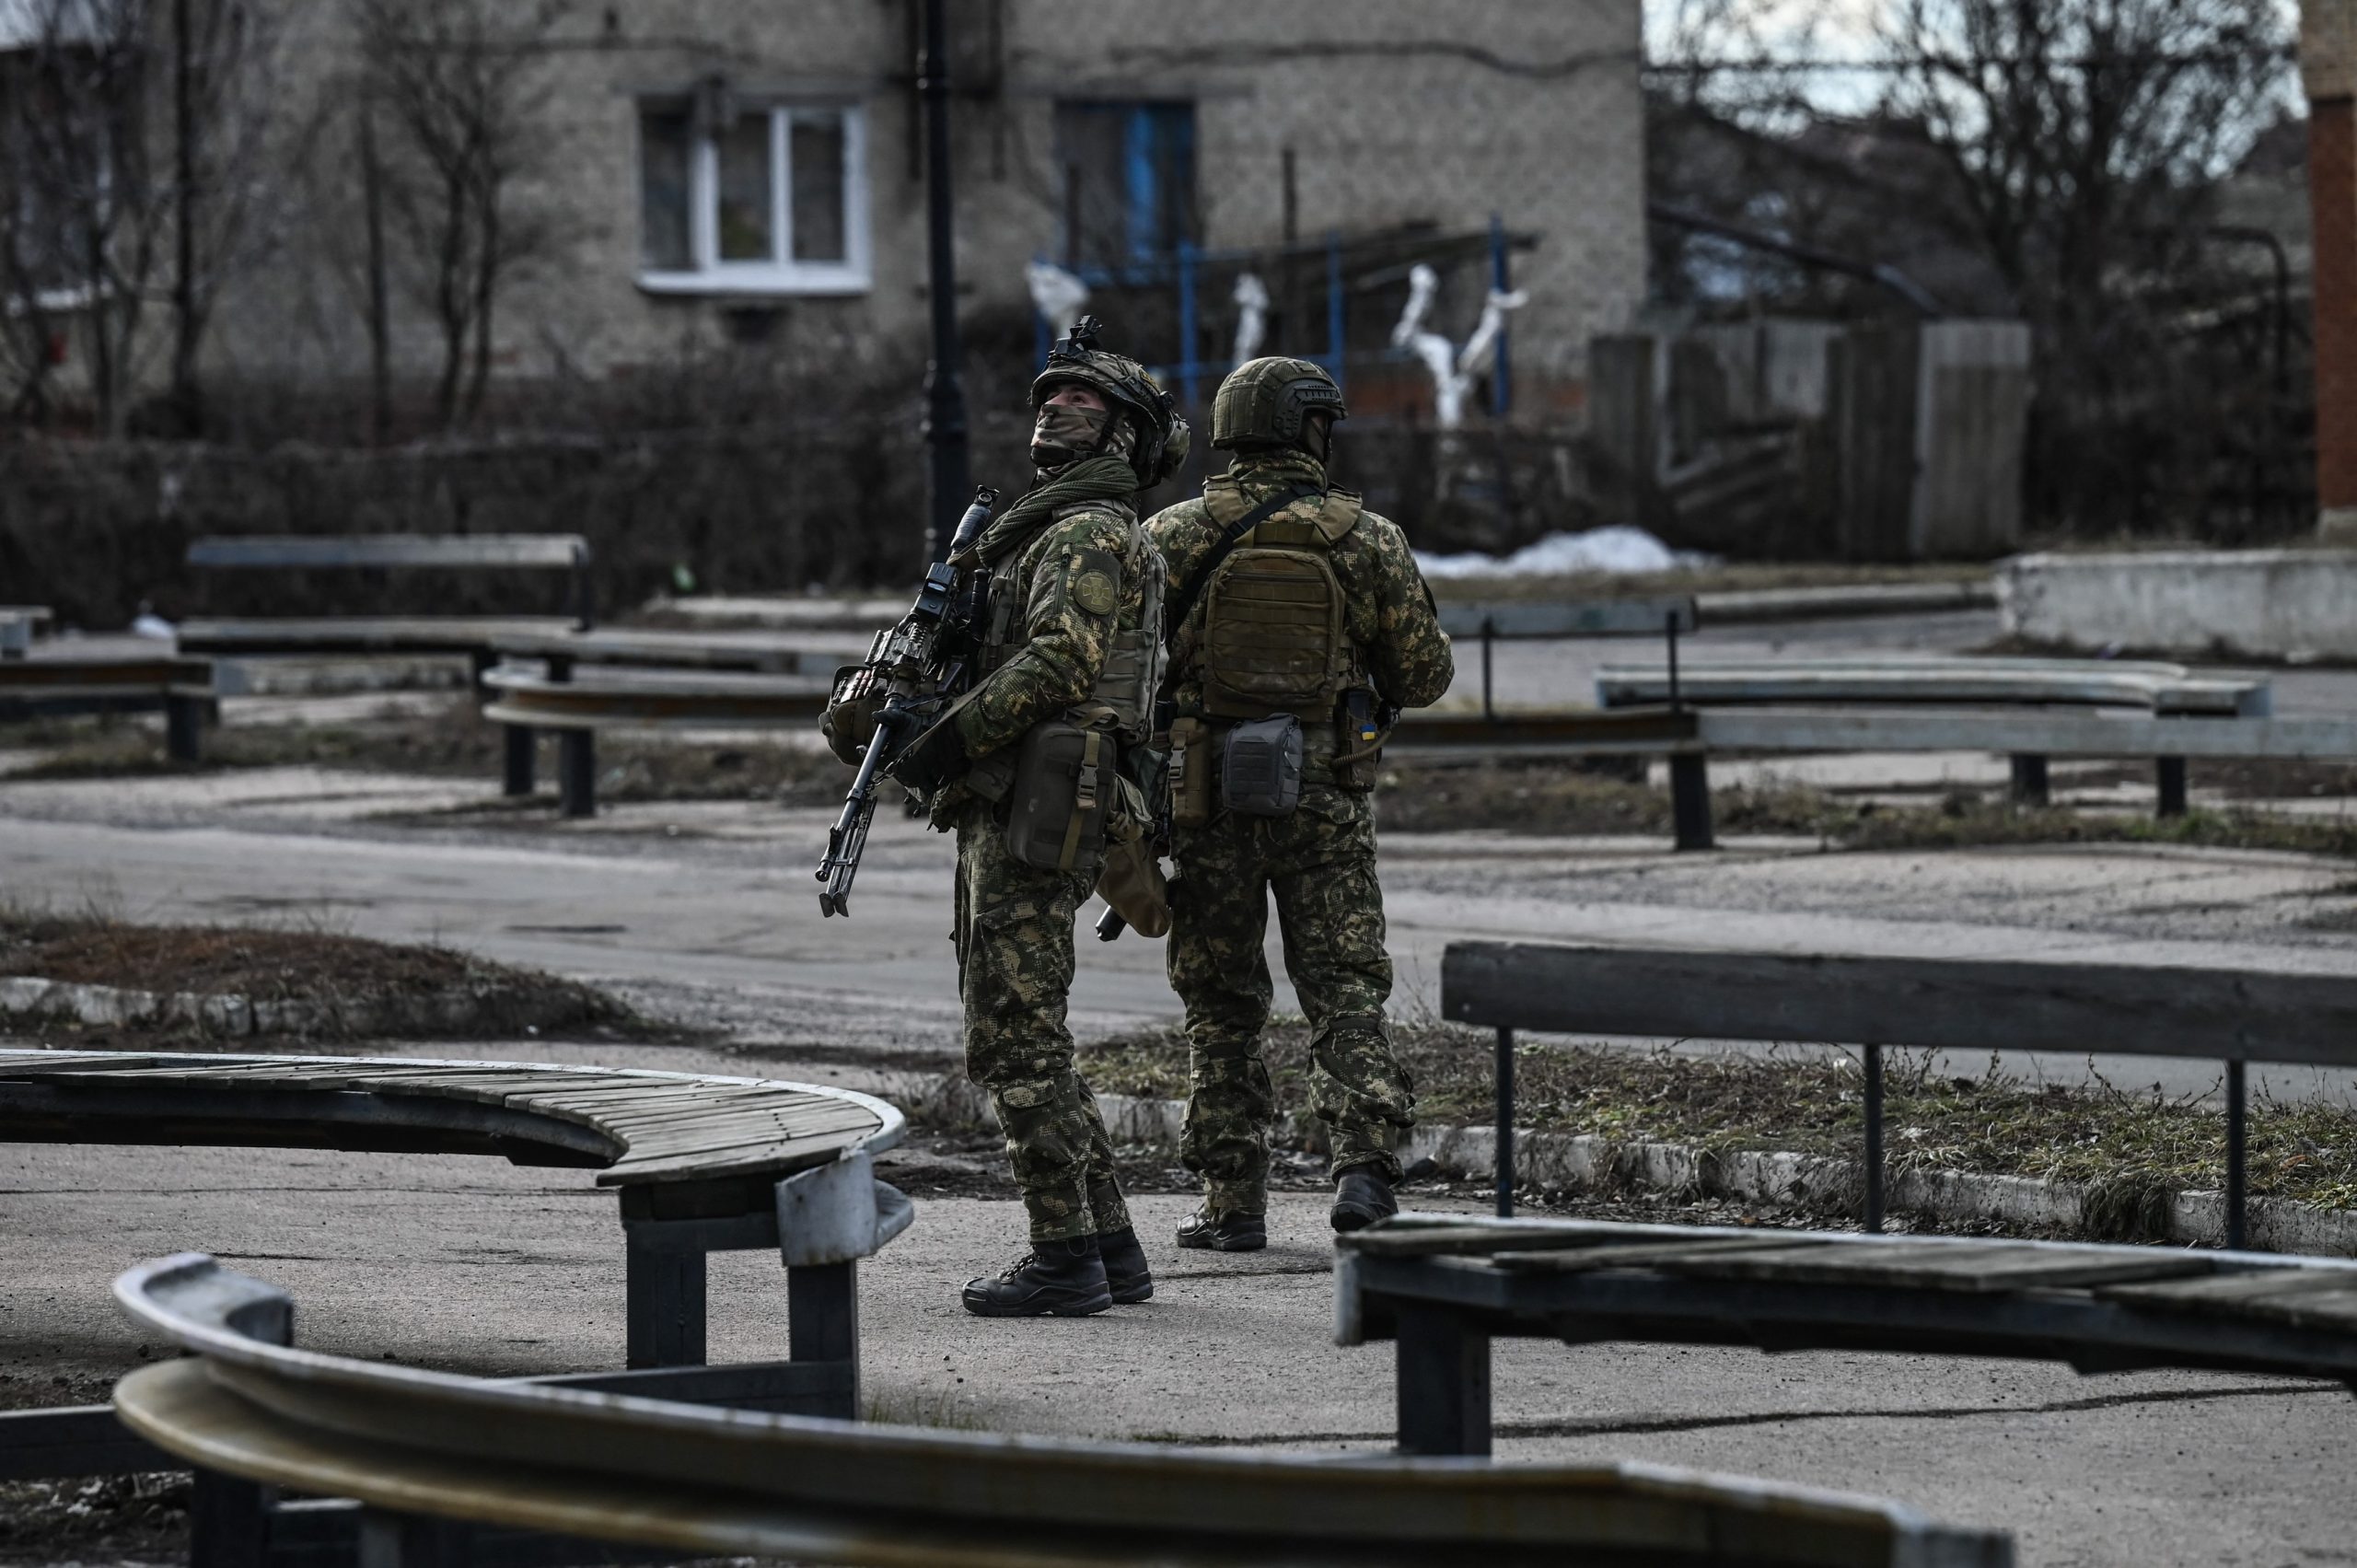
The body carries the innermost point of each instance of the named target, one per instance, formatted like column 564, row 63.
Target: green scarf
column 1093, row 479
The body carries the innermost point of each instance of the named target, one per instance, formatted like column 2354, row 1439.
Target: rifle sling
column 1175, row 615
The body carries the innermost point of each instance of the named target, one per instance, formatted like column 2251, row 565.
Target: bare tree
column 454, row 91
column 2060, row 159
column 99, row 188
column 86, row 226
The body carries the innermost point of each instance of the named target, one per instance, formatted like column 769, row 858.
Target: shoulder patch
column 1093, row 591
column 1096, row 583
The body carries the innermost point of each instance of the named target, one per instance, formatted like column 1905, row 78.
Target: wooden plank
column 1799, row 730
column 346, row 551
column 1640, row 1254
column 1516, row 619
column 722, row 1137
column 1963, row 1268
column 1624, row 685
column 2252, row 1293
column 361, row 635
column 1950, row 1004
column 721, row 1162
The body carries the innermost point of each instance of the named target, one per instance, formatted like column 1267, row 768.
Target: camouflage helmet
column 1267, row 402
column 1163, row 438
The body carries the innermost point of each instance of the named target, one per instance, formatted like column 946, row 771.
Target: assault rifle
column 918, row 666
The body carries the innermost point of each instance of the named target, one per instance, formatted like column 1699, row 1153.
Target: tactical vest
column 1133, row 657
column 1269, row 632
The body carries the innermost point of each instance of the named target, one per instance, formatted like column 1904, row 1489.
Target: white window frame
column 709, row 275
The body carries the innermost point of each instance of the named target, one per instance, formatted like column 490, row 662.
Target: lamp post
column 946, row 479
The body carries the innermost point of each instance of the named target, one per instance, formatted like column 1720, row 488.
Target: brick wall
column 1416, row 111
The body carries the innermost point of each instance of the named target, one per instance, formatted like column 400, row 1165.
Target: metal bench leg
column 2030, row 786
column 516, row 776
column 229, row 1522
column 183, row 728
column 666, row 1304
column 576, row 773
column 412, row 1541
column 2170, row 772
column 1443, row 1383
column 2237, row 1158
column 1873, row 1140
column 1689, row 799
column 822, row 1324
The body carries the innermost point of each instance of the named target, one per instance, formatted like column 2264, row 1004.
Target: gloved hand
column 931, row 760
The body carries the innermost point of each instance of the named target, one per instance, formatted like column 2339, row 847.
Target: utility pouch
column 1190, row 774
column 1062, row 794
column 1132, row 881
column 1260, row 767
column 852, row 704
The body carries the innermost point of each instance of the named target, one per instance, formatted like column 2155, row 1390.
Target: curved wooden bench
column 701, row 1162
column 417, row 1449
column 1441, row 1286
column 577, row 704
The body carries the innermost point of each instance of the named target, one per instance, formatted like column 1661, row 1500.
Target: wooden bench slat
column 347, row 551
column 1947, row 1003
column 1633, row 1255
column 2251, row 1293
column 1972, row 1271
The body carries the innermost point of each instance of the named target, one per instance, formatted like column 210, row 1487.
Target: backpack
column 1273, row 638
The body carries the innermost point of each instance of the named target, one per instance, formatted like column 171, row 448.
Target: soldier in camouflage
column 1065, row 564
column 1277, row 416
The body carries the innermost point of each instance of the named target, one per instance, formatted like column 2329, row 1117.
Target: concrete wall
column 1418, row 110
column 2262, row 603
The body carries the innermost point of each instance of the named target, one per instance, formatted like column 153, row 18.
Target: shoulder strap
column 1178, row 605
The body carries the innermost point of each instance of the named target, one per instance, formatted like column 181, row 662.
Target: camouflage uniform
column 1073, row 584
column 1318, row 862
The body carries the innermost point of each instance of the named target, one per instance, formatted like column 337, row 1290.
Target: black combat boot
column 1125, row 1272
column 1207, row 1231
column 1361, row 1198
column 1065, row 1278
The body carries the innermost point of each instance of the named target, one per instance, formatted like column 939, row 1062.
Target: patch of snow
column 1617, row 550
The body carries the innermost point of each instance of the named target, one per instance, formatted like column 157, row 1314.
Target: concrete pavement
column 708, row 909
column 471, row 1265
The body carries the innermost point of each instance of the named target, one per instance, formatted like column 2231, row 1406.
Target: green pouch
column 1062, row 796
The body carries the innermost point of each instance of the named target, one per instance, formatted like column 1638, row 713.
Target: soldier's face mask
column 1317, row 437
column 1065, row 432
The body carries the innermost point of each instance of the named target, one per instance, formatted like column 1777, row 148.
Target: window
column 770, row 199
column 1129, row 179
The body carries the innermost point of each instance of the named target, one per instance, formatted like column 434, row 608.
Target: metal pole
column 945, row 425
column 1489, row 629
column 1190, row 380
column 1334, row 303
column 1502, row 280
column 2238, row 1147
column 1669, row 632
column 1506, row 1124
column 1874, row 1140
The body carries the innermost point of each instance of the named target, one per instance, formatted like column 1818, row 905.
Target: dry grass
column 291, row 965
column 2125, row 1141
column 1549, row 798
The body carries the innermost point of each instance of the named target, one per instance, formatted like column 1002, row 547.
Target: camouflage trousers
column 1014, row 933
column 1320, row 863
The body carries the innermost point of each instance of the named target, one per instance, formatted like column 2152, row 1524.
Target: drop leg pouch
column 1063, row 795
column 1260, row 772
